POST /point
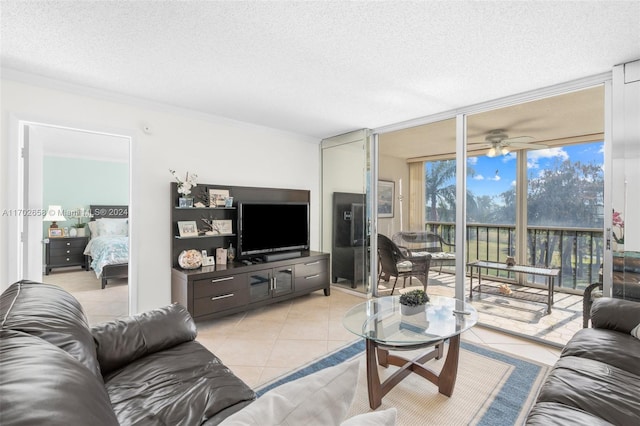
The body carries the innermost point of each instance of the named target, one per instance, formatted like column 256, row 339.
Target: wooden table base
column 446, row 380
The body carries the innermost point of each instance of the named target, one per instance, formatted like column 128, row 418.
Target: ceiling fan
column 500, row 143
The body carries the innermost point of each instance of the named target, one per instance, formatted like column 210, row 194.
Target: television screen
column 267, row 227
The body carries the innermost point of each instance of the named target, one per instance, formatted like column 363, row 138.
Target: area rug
column 492, row 388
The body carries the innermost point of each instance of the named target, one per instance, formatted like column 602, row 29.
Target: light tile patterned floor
column 265, row 343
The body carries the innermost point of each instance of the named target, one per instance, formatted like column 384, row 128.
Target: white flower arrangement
column 184, row 186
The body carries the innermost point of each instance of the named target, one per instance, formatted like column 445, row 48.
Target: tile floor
column 268, row 342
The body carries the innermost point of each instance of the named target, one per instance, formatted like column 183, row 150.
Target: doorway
column 66, row 171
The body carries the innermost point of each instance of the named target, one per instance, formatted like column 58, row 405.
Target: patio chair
column 422, row 241
column 399, row 262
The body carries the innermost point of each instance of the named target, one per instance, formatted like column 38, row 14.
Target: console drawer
column 219, row 293
column 311, row 274
column 219, row 285
column 311, row 267
column 211, row 304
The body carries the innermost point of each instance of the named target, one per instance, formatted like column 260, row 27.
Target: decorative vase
column 411, row 310
column 81, row 232
column 185, row 202
column 73, row 232
column 190, row 259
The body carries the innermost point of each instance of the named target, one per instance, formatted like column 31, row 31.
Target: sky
column 496, row 175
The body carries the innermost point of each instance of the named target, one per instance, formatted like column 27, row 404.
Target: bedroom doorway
column 69, row 170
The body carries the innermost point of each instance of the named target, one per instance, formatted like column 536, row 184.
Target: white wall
column 394, row 169
column 219, row 150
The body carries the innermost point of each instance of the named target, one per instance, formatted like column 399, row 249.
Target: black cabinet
column 348, row 252
column 62, row 252
column 215, row 291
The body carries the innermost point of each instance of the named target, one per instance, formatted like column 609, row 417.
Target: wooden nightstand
column 69, row 251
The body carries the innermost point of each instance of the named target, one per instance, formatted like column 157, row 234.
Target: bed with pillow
column 108, row 246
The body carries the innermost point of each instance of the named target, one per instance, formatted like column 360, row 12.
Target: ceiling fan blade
column 518, row 139
column 527, row 145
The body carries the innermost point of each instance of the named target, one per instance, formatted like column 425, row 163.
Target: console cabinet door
column 283, row 283
column 268, row 283
column 260, row 285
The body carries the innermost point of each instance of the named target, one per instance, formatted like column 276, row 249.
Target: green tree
column 440, row 191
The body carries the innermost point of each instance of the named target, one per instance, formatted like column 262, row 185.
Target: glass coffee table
column 380, row 322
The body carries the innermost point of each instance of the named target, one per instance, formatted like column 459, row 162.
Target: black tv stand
column 272, row 257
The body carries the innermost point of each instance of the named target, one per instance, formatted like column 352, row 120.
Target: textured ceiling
column 318, row 68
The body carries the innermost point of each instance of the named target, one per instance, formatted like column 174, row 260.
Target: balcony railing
column 577, row 252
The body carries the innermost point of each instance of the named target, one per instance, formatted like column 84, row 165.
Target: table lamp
column 54, row 214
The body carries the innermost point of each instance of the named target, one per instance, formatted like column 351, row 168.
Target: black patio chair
column 396, row 261
column 418, row 242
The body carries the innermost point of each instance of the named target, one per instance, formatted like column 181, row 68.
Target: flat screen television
column 271, row 227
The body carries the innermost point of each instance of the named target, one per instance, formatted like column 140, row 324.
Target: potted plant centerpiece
column 412, row 302
column 77, row 229
column 184, row 188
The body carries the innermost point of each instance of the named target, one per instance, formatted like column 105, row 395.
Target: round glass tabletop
column 380, row 319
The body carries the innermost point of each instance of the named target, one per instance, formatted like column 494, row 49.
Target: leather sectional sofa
column 145, row 370
column 596, row 381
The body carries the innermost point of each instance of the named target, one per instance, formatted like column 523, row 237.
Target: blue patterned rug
column 501, row 391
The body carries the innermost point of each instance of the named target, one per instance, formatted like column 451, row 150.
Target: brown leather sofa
column 142, row 370
column 596, row 381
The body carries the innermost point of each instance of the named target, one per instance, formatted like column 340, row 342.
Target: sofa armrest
column 615, row 314
column 122, row 341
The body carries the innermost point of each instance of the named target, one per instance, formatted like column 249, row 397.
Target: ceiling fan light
column 504, row 150
column 492, row 152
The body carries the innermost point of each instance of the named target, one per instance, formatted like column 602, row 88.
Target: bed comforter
column 107, row 250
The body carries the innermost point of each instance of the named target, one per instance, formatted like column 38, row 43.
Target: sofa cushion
column 122, row 341
column 183, row 385
column 50, row 313
column 614, row 348
column 41, row 384
column 554, row 414
column 615, row 314
column 321, row 398
column 593, row 387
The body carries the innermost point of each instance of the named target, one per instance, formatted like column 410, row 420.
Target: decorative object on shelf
column 188, row 228
column 54, row 214
column 221, row 256
column 207, row 260
column 618, row 222
column 218, row 227
column 77, row 229
column 510, row 261
column 505, row 289
column 199, row 205
column 217, row 197
column 386, row 198
column 412, row 302
column 185, row 202
column 56, row 233
column 228, row 202
column 184, row 188
column 190, row 259
column 231, row 253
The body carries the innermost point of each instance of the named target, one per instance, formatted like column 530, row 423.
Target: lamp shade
column 54, row 214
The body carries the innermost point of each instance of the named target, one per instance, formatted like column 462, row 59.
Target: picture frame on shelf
column 217, row 197
column 56, row 233
column 222, row 227
column 386, row 197
column 188, row 228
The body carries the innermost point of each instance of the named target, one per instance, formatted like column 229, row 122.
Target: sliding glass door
column 346, row 216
